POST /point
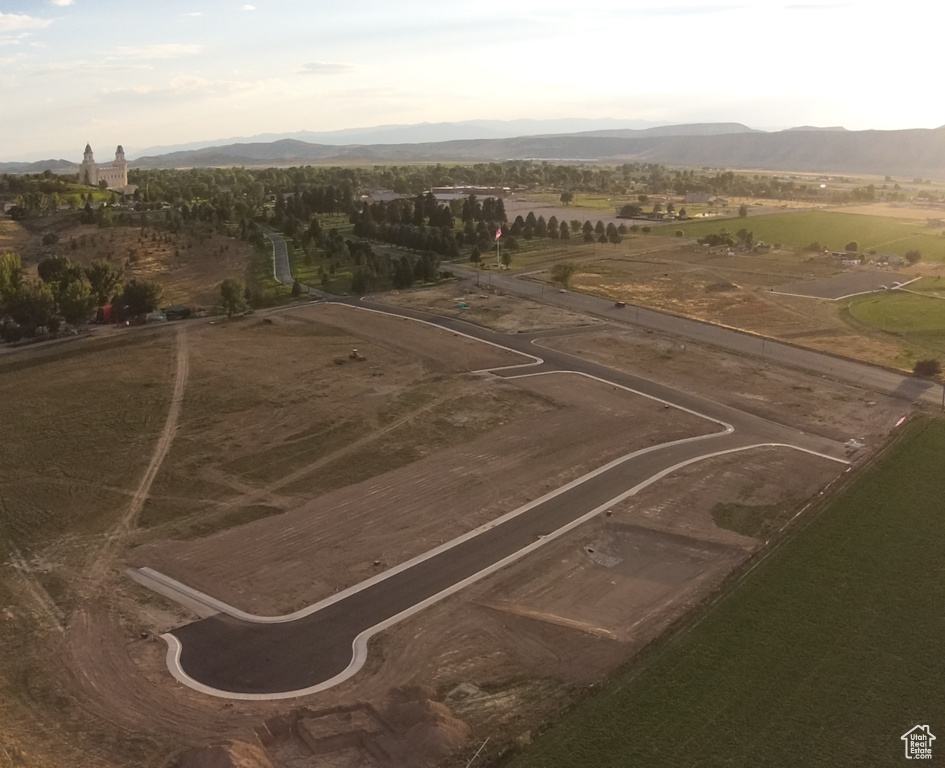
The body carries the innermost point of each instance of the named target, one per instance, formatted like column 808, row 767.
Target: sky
column 143, row 74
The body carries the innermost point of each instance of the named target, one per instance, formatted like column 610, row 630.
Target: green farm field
column 581, row 201
column 825, row 654
column 919, row 318
column 831, row 229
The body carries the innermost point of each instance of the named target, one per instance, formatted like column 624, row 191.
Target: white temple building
column 115, row 175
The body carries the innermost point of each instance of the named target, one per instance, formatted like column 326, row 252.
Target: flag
column 498, row 233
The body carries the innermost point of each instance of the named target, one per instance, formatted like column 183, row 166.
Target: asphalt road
column 232, row 654
column 868, row 376
column 241, row 657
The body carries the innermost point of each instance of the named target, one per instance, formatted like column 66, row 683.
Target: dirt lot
column 808, row 402
column 260, row 502
column 557, row 429
column 735, row 291
column 487, row 307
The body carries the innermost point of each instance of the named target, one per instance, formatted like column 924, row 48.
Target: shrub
column 927, row 368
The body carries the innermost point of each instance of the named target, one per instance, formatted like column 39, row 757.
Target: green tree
column 567, row 198
column 359, row 282
column 853, row 246
column 139, row 298
column 103, row 280
column 506, row 258
column 296, row 288
column 743, row 211
column 76, row 302
column 232, row 296
column 562, row 272
column 32, row 304
column 58, row 271
column 11, row 275
column 913, row 256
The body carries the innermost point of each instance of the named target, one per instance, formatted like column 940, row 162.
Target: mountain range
column 904, row 153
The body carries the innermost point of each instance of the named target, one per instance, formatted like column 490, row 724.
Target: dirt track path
column 130, row 517
column 126, row 524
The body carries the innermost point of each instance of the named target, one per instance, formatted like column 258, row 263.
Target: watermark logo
column 918, row 741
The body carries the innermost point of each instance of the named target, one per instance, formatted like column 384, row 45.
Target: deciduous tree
column 232, row 296
column 103, row 280
column 562, row 273
column 139, row 298
column 76, row 302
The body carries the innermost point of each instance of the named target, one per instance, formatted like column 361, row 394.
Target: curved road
column 862, row 374
column 235, row 655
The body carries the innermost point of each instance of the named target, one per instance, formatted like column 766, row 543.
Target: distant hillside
column 693, row 129
column 917, row 152
column 816, row 128
column 419, row 132
column 906, row 153
column 56, row 166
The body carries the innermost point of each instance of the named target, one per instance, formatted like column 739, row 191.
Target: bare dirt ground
column 260, row 501
column 487, row 307
column 735, row 291
column 271, row 566
column 14, row 238
column 809, row 402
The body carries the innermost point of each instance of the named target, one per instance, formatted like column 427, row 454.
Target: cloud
column 248, row 7
column 815, row 6
column 84, row 66
column 193, row 13
column 62, row 3
column 179, row 88
column 325, row 68
column 156, row 51
column 14, row 22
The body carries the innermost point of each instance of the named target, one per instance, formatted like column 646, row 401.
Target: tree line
column 66, row 292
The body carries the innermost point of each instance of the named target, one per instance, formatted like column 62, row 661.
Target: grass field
column 917, row 318
column 831, row 229
column 824, row 655
column 581, row 201
column 934, row 286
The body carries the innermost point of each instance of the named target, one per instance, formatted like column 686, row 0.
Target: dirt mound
column 233, row 754
column 430, row 731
